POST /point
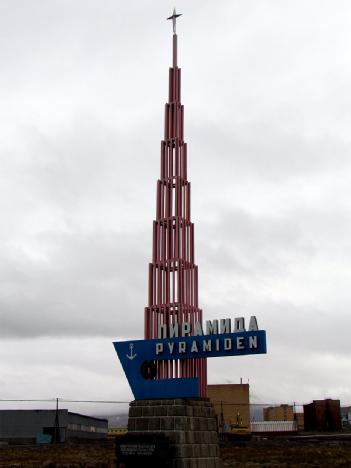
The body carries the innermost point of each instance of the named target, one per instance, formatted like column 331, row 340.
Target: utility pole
column 57, row 425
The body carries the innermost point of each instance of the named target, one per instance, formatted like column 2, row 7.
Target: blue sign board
column 138, row 359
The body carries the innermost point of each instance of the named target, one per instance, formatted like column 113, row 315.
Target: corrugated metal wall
column 274, row 426
column 28, row 424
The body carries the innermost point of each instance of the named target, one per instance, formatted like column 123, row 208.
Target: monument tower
column 171, row 422
column 173, row 275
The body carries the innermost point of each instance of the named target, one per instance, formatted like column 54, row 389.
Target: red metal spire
column 173, row 275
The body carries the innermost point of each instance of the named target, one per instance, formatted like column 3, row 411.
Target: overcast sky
column 267, row 95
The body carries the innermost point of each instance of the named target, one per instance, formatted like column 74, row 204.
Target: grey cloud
column 262, row 149
column 265, row 88
column 35, row 367
column 75, row 286
column 244, row 244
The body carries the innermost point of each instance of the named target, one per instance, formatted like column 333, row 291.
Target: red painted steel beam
column 173, row 275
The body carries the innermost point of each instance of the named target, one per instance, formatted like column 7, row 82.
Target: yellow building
column 231, row 403
column 279, row 413
column 116, row 431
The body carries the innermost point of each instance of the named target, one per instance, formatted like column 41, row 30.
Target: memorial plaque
column 143, row 450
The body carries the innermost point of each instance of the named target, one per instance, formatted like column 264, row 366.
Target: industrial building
column 279, row 413
column 231, row 403
column 232, row 406
column 45, row 426
column 346, row 416
column 322, row 415
column 284, row 413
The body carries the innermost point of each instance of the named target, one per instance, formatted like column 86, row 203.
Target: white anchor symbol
column 131, row 356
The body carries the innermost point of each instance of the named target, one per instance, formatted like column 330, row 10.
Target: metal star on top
column 174, row 19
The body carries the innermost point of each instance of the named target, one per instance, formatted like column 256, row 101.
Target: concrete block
column 205, row 437
column 154, row 424
column 171, row 410
column 191, row 463
column 180, row 410
column 167, row 402
column 180, row 401
column 179, row 463
column 205, row 411
column 135, row 411
column 180, row 437
column 212, row 450
column 190, row 450
column 188, row 424
column 147, row 411
column 160, row 410
column 211, row 424
column 196, row 450
column 197, row 422
column 197, row 411
column 202, row 462
column 203, row 424
column 154, row 402
column 213, row 437
column 194, row 463
column 141, row 424
column 189, row 437
column 180, row 423
column 167, row 423
column 204, row 450
column 131, row 425
column 183, row 451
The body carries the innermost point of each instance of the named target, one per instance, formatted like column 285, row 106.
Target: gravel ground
column 88, row 455
column 265, row 453
column 281, row 454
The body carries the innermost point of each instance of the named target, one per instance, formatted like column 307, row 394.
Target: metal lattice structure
column 173, row 275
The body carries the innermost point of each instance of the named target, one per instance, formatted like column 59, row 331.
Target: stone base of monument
column 175, row 433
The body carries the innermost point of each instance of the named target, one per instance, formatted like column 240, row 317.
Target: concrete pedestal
column 189, row 424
